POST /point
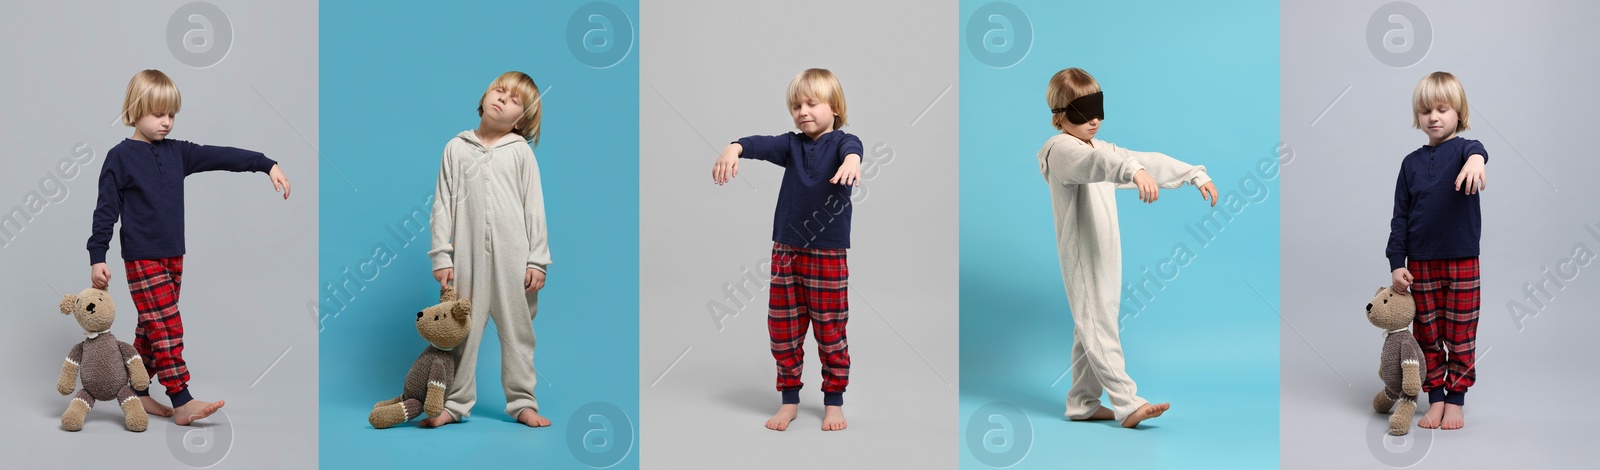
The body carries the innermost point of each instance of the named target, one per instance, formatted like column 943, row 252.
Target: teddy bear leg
column 72, row 420
column 1400, row 421
column 1382, row 403
column 386, row 416
column 384, row 403
column 133, row 415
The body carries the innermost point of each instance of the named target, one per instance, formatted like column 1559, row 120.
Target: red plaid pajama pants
column 159, row 336
column 809, row 288
column 1446, row 292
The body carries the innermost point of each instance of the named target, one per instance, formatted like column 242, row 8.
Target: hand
column 1208, row 192
column 849, row 173
column 1402, row 280
column 99, row 276
column 1148, row 191
column 280, row 183
column 444, row 276
column 533, row 281
column 727, row 165
column 1472, row 174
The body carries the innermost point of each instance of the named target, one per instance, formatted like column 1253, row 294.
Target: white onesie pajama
column 1082, row 180
column 488, row 224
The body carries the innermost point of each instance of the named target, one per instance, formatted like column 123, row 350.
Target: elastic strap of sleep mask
column 1084, row 108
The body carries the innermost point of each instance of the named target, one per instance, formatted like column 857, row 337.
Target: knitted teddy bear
column 1400, row 366
column 110, row 369
column 445, row 326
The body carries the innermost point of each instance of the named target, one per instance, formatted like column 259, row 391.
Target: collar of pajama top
column 1432, row 219
column 811, row 212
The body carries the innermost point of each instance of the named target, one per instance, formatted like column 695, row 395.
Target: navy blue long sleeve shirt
column 1432, row 219
column 141, row 183
column 811, row 213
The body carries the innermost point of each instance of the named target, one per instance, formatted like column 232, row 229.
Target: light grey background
column 1529, row 74
column 250, row 271
column 716, row 72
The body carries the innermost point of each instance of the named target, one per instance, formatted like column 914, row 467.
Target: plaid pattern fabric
column 809, row 288
column 1446, row 326
column 158, row 338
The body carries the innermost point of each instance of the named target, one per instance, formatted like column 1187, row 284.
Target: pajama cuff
column 143, row 393
column 791, row 396
column 832, row 398
column 1456, row 397
column 181, row 398
column 1436, row 396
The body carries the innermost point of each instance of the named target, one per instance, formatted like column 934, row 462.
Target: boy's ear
column 68, row 304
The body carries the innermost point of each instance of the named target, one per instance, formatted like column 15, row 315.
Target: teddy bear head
column 445, row 325
column 1391, row 310
column 92, row 308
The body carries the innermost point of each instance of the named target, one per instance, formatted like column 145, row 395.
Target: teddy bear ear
column 1380, row 290
column 461, row 312
column 68, row 304
column 447, row 294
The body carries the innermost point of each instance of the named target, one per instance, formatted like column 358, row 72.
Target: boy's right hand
column 99, row 276
column 1148, row 190
column 1402, row 280
column 444, row 276
column 727, row 165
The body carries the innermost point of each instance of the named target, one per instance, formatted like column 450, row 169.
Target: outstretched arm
column 1168, row 172
column 69, row 370
column 198, row 158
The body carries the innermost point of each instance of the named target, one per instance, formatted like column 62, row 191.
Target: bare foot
column 194, row 410
column 833, row 418
column 1452, row 417
column 438, row 421
column 1145, row 412
column 532, row 418
column 1101, row 414
column 1433, row 417
column 154, row 408
column 780, row 420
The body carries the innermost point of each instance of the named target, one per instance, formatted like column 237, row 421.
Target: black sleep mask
column 1084, row 108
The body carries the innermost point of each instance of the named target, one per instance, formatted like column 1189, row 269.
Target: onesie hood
column 471, row 137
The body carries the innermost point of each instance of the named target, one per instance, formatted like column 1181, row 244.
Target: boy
column 1433, row 244
column 488, row 221
column 1083, row 172
column 141, row 183
column 810, row 233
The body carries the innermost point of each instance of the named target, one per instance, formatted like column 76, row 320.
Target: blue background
column 396, row 85
column 1191, row 80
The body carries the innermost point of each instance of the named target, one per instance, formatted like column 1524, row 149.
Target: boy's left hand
column 849, row 173
column 280, row 183
column 1208, row 192
column 534, row 280
column 1472, row 174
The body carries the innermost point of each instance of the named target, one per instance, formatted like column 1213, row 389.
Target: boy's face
column 812, row 116
column 502, row 106
column 1439, row 122
column 154, row 126
column 1085, row 131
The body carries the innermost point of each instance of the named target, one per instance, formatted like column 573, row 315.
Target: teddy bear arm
column 439, row 376
column 1411, row 370
column 136, row 371
column 69, row 370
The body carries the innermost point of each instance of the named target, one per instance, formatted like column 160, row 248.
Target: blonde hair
column 819, row 84
column 150, row 92
column 1065, row 86
column 1439, row 87
column 520, row 83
